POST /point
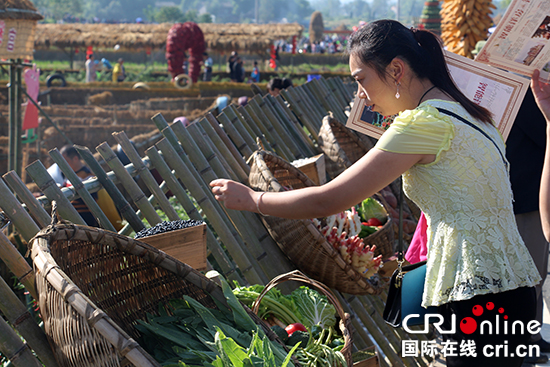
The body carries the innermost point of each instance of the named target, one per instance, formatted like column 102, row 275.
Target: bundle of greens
column 320, row 345
column 189, row 334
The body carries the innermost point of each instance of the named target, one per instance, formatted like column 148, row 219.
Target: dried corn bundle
column 464, row 23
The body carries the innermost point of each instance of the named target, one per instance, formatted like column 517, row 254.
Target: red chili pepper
column 374, row 222
column 290, row 329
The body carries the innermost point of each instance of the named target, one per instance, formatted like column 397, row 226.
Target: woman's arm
column 541, row 91
column 374, row 171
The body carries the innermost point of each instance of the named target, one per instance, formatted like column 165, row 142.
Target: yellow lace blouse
column 474, row 246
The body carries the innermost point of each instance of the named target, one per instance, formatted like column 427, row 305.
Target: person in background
column 119, row 73
column 91, row 68
column 239, row 70
column 231, row 65
column 274, row 86
column 450, row 157
column 255, row 75
column 207, row 76
column 70, row 154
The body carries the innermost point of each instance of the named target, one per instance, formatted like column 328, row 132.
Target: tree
column 358, row 9
column 57, row 9
column 168, row 14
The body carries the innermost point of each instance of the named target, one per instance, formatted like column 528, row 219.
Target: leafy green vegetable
column 371, row 208
column 274, row 303
column 314, row 308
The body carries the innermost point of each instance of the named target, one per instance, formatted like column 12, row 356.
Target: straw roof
column 18, row 9
column 219, row 37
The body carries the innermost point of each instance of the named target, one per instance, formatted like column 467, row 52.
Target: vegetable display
column 190, row 334
column 310, row 320
column 344, row 232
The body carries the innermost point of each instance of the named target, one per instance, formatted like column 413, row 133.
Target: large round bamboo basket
column 94, row 285
column 300, row 240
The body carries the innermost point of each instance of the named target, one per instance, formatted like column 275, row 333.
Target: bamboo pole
column 121, row 203
column 16, row 213
column 168, row 133
column 248, row 121
column 225, row 154
column 218, row 164
column 226, row 264
column 394, row 359
column 47, row 185
column 228, row 237
column 282, row 148
column 17, row 264
column 36, row 210
column 311, row 99
column 252, row 128
column 273, row 140
column 345, row 90
column 325, row 99
column 19, row 317
column 129, row 184
column 285, row 120
column 331, row 98
column 215, row 125
column 146, row 175
column 333, row 89
column 233, row 120
column 307, row 138
column 127, row 229
column 15, row 350
column 362, row 329
column 295, row 104
column 258, row 241
column 241, row 144
column 280, row 127
column 90, row 202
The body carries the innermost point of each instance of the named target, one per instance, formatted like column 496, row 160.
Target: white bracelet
column 258, row 204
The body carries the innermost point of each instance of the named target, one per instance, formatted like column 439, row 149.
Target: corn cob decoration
column 464, row 23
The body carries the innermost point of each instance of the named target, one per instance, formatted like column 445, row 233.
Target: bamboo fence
column 187, row 159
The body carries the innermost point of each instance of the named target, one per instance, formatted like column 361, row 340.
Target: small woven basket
column 94, row 285
column 300, row 240
column 342, row 146
column 344, row 323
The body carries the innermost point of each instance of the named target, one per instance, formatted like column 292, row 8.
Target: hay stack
column 316, row 27
column 101, row 99
column 219, row 37
column 18, row 9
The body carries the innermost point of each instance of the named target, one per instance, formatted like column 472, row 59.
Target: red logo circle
column 490, row 305
column 477, row 310
column 468, row 325
column 501, row 310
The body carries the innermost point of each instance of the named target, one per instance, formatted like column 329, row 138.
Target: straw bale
column 101, row 99
column 18, row 9
column 218, row 37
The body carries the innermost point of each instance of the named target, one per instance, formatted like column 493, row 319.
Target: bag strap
column 462, row 119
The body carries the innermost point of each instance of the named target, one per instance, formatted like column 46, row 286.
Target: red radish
column 290, row 329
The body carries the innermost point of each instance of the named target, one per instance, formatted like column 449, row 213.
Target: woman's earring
column 397, row 95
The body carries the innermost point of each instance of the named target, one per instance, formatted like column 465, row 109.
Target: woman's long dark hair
column 378, row 43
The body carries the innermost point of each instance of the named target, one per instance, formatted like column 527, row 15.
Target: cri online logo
column 468, row 325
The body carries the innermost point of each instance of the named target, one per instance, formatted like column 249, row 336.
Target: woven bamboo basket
column 300, row 240
column 94, row 285
column 342, row 146
column 344, row 318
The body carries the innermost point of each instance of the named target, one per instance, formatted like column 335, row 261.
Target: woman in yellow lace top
column 453, row 172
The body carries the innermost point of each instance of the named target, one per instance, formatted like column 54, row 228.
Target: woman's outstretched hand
column 541, row 91
column 234, row 195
